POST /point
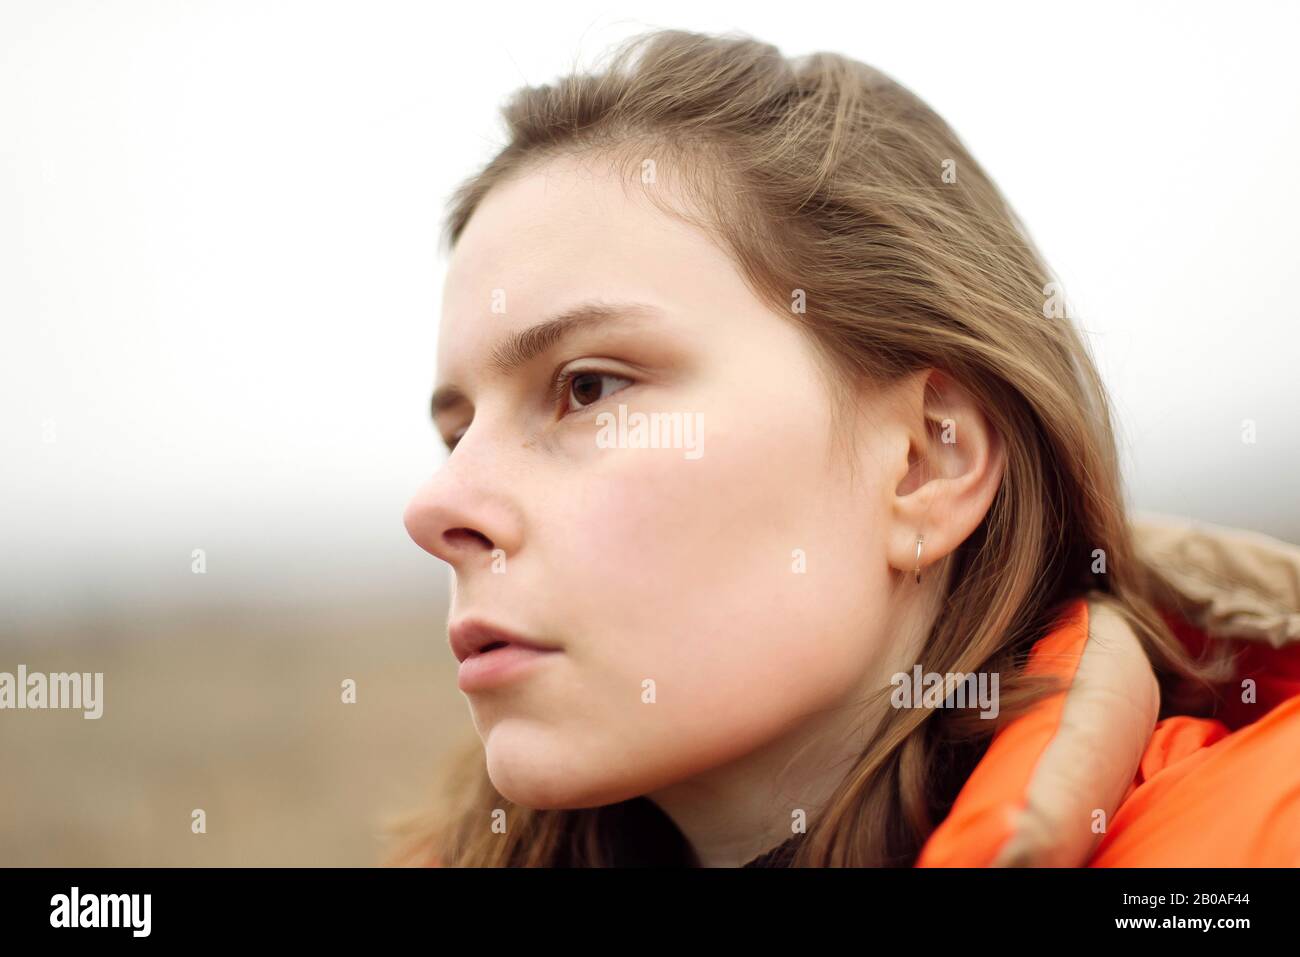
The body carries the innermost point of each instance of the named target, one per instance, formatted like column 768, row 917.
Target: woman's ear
column 949, row 473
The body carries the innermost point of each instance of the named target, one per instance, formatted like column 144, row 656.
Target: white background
column 220, row 274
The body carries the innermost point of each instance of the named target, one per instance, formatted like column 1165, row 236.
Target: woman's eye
column 588, row 387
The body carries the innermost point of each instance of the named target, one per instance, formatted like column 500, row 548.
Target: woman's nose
column 452, row 522
column 440, row 531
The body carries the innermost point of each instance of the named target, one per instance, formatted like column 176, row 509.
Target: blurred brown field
column 240, row 714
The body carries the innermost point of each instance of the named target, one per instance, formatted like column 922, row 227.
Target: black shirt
column 779, row 856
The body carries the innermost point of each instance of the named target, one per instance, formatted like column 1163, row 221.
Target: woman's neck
column 734, row 813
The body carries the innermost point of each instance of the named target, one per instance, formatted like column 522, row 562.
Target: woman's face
column 706, row 599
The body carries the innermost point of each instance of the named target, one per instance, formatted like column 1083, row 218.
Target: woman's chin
column 545, row 781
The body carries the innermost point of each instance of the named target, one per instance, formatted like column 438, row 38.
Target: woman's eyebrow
column 526, row 344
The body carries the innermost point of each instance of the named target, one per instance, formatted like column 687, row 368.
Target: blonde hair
column 822, row 174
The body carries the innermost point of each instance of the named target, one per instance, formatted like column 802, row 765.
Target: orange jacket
column 1222, row 791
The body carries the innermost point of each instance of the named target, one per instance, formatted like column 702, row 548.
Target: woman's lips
column 494, row 667
column 491, row 656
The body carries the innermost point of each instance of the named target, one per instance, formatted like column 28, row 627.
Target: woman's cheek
column 681, row 575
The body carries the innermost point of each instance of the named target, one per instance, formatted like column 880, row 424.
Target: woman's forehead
column 554, row 237
column 562, row 217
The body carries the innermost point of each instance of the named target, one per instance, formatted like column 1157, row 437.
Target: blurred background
column 219, row 294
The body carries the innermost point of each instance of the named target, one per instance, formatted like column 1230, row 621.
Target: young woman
column 759, row 398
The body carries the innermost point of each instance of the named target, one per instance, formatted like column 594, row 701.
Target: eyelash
column 557, row 392
column 562, row 383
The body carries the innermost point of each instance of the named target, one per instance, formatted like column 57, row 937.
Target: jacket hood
column 1220, row 791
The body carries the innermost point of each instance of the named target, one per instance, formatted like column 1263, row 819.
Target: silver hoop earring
column 919, row 540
